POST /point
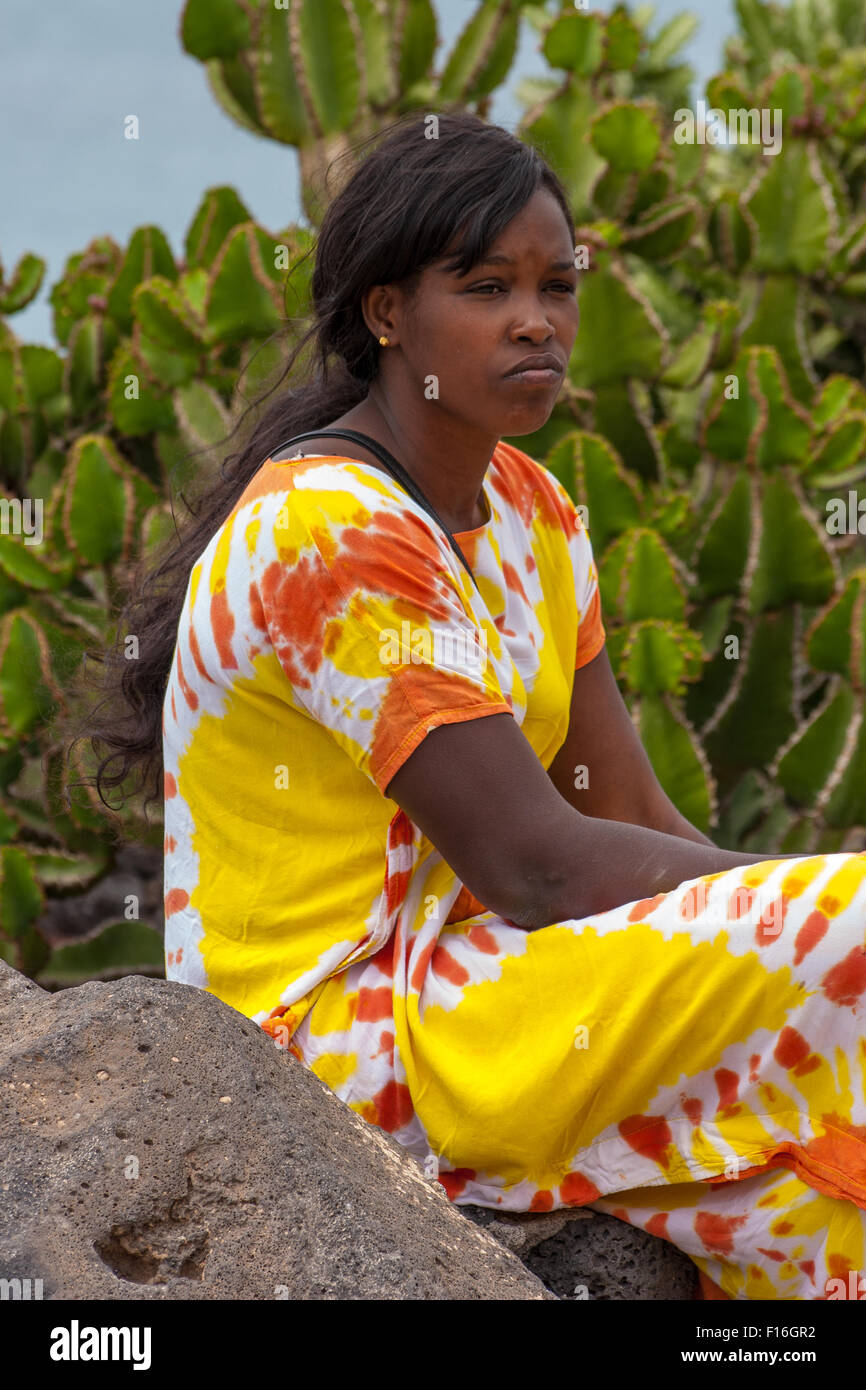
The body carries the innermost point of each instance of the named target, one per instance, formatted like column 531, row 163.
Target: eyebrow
column 499, row 259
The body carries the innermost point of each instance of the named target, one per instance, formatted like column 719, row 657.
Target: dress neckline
column 362, row 463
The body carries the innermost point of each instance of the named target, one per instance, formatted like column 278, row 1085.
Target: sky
column 72, row 70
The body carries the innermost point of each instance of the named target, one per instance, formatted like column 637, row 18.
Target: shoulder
column 341, row 522
column 535, row 493
column 341, row 489
column 338, row 494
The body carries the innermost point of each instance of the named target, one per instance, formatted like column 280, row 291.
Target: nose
column 533, row 319
column 533, row 322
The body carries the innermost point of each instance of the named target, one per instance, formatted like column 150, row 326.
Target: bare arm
column 480, row 794
column 620, row 781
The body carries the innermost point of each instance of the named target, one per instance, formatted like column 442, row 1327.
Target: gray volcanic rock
column 581, row 1254
column 154, row 1143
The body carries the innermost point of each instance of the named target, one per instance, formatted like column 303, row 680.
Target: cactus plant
column 713, row 430
column 94, row 437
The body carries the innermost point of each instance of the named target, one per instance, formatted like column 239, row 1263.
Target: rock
column 154, row 1143
column 523, row 1231
column 597, row 1257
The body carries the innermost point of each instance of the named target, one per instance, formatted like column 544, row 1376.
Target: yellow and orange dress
column 694, row 1063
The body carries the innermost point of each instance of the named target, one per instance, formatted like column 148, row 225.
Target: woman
column 410, row 828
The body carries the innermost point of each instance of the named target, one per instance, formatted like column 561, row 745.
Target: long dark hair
column 418, row 189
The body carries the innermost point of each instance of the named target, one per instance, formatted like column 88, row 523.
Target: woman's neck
column 449, row 472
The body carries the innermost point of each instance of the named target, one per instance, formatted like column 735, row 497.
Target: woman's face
column 469, row 331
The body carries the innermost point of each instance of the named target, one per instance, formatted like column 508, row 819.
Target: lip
column 540, row 366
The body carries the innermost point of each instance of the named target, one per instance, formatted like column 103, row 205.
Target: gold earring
column 383, row 341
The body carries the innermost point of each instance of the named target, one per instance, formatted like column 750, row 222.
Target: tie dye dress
column 693, row 1063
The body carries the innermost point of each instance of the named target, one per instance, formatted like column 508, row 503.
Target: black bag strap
column 396, row 470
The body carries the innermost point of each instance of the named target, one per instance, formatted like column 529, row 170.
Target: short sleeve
column 376, row 635
column 590, row 633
